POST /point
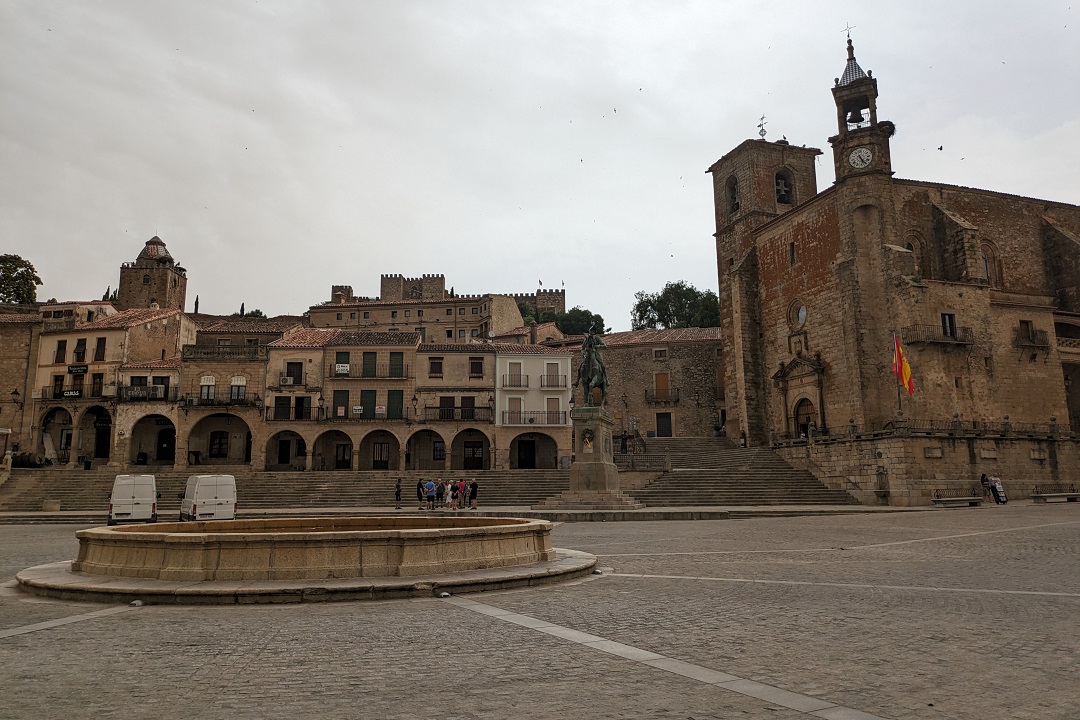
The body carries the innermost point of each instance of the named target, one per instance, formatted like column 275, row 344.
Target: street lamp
column 322, row 402
column 415, row 400
column 15, row 398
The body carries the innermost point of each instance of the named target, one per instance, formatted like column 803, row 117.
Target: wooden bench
column 957, row 497
column 1059, row 492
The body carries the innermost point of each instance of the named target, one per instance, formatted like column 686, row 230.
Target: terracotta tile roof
column 18, row 318
column 307, row 338
column 352, row 337
column 523, row 349
column 169, row 364
column 523, row 330
column 657, row 337
column 253, row 325
column 125, row 319
column 53, row 303
column 473, row 348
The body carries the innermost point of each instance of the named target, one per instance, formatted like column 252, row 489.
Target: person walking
column 397, row 494
column 472, row 494
column 420, row 494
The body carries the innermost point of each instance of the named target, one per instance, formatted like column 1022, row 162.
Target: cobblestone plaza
column 936, row 614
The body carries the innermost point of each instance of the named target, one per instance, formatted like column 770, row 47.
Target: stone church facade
column 981, row 287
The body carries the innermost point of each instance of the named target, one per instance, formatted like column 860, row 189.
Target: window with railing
column 934, row 334
column 1027, row 336
column 515, row 381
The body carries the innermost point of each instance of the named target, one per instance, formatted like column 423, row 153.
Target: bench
column 957, row 497
column 1058, row 492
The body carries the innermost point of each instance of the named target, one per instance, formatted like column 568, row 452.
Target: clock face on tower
column 860, row 157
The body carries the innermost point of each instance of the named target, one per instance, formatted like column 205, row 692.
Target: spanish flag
column 900, row 367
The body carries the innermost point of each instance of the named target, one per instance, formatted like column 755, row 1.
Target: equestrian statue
column 591, row 373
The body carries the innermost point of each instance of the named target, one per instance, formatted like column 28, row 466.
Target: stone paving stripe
column 714, row 678
column 776, row 696
column 627, row 651
column 865, row 586
column 49, row 624
column 689, row 670
column 569, row 634
column 962, row 535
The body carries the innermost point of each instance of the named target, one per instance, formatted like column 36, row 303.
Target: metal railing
column 552, row 381
column 331, row 415
column 380, row 371
column 668, row 395
column 534, row 417
column 245, row 401
column 276, row 414
column 515, row 381
column 72, row 392
column 459, row 414
column 937, row 334
column 148, row 393
column 224, row 352
column 1025, row 338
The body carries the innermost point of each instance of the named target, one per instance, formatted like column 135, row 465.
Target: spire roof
column 852, row 71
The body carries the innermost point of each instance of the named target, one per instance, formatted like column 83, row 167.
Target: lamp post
column 415, row 401
column 322, row 403
column 16, row 398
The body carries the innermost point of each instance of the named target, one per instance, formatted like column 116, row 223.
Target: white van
column 134, row 499
column 209, row 497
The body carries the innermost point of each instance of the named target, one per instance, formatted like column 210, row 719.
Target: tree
column 576, row 321
column 256, row 313
column 18, row 280
column 678, row 305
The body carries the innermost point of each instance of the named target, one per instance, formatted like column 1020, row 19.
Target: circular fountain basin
column 275, row 560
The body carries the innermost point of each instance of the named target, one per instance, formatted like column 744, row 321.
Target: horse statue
column 591, row 373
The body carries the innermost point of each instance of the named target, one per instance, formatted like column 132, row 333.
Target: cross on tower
column 849, row 27
column 761, row 128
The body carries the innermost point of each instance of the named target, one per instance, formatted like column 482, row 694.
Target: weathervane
column 849, row 27
column 761, row 128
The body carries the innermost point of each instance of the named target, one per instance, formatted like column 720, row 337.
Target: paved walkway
column 968, row 613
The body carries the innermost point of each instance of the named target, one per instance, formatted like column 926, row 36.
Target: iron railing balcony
column 148, row 393
column 382, row 371
column 333, row 415
column 662, row 395
column 224, row 352
column 534, row 417
column 552, row 381
column 227, row 400
column 73, row 392
column 1025, row 338
column 459, row 414
column 937, row 334
column 276, row 414
column 515, row 381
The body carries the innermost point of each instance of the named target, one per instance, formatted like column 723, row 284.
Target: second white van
column 209, row 497
column 133, row 499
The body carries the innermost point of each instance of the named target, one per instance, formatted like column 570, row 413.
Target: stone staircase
column 714, row 471
column 88, row 490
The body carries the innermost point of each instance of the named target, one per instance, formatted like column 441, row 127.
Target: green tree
column 678, row 305
column 18, row 280
column 256, row 313
column 575, row 321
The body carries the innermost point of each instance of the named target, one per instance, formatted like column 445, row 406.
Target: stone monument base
column 594, row 479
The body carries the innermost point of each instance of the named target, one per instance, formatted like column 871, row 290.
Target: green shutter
column 397, row 364
column 367, row 399
column 395, row 404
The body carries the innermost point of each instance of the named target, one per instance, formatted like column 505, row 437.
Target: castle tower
column 154, row 277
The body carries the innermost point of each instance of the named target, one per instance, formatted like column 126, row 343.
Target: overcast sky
column 279, row 148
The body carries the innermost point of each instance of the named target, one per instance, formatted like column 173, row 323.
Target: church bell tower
column 862, row 145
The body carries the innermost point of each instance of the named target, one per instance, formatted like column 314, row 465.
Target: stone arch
column 471, row 450
column 57, row 435
column 94, row 436
column 152, row 441
column 333, row 450
column 534, row 451
column 784, row 186
column 425, row 450
column 286, row 450
column 733, row 200
column 379, row 450
column 989, row 266
column 914, row 243
column 804, row 417
column 220, row 439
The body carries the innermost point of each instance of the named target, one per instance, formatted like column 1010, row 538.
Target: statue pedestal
column 594, row 479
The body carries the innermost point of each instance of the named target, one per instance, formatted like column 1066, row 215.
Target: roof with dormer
column 852, row 71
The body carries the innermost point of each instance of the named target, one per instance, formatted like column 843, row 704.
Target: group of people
column 434, row 493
